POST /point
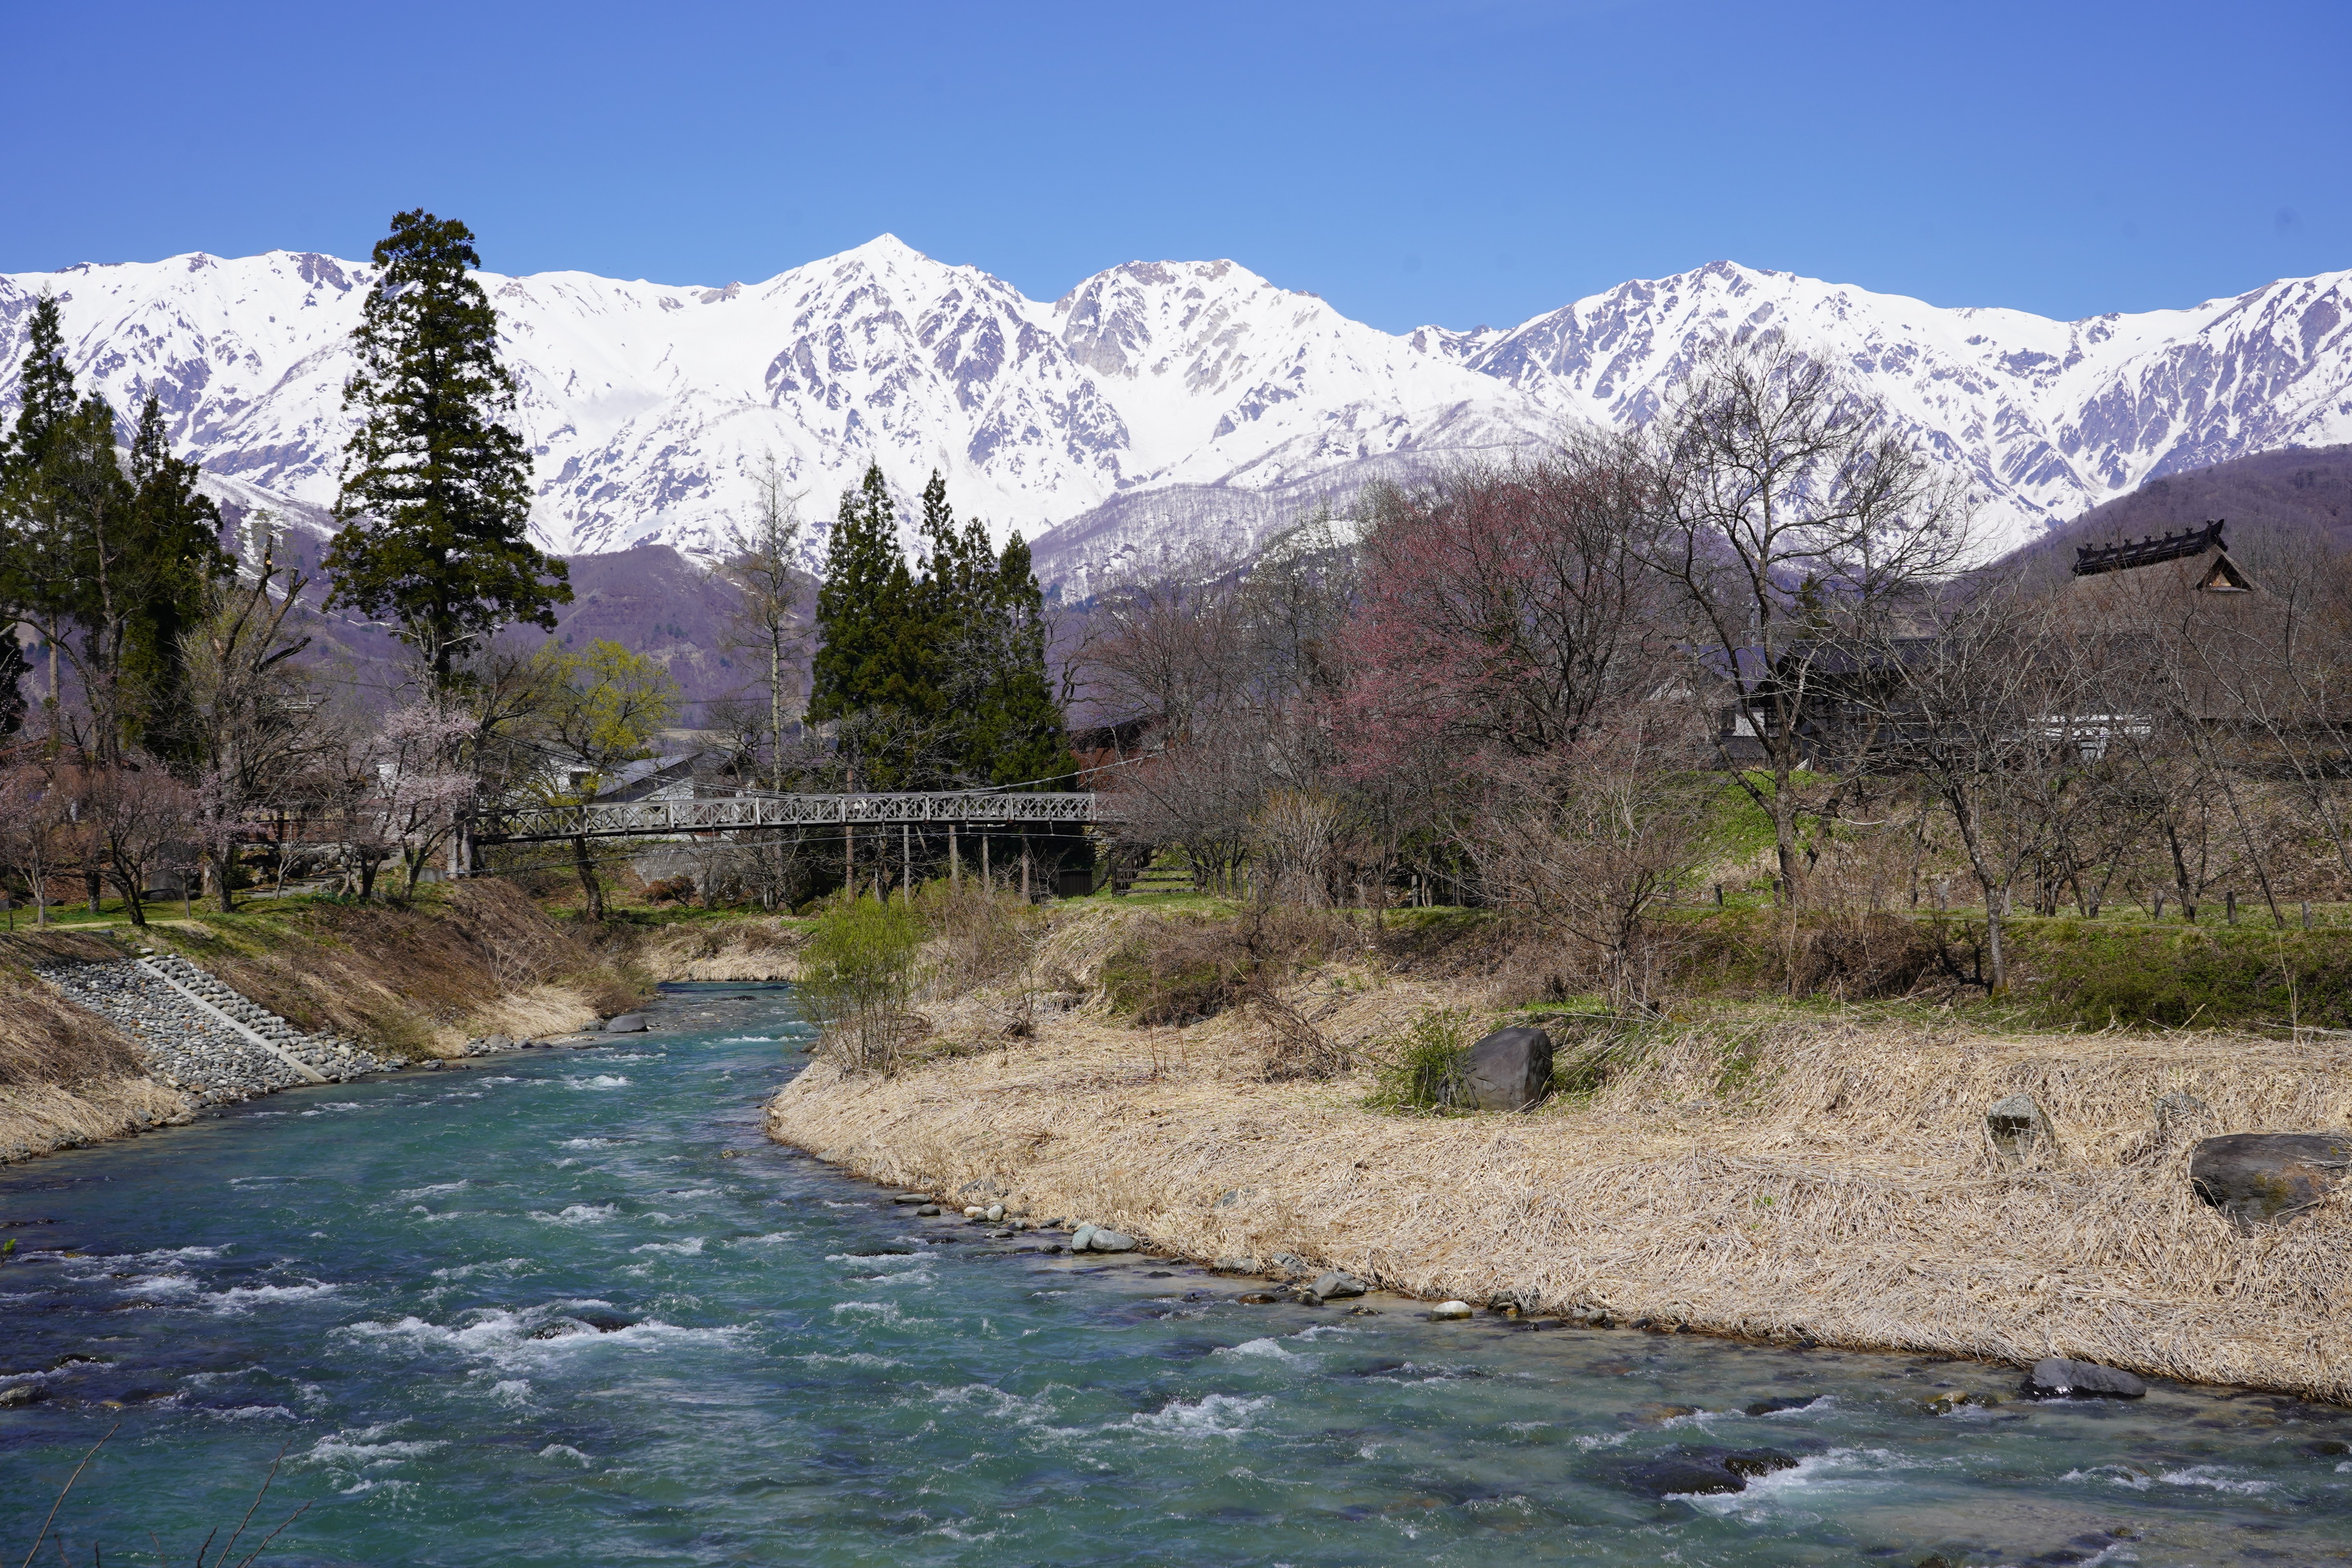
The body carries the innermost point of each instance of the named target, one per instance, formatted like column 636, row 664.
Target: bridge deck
column 733, row 813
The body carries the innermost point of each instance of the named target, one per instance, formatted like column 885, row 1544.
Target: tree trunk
column 589, row 885
column 1996, row 959
column 221, row 894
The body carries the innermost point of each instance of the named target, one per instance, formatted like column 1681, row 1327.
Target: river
column 569, row 1308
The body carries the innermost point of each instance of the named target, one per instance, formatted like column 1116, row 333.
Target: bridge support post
column 955, row 863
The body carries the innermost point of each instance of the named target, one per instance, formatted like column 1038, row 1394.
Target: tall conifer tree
column 436, row 487
column 868, row 652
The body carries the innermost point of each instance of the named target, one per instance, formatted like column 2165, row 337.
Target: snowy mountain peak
column 1157, row 404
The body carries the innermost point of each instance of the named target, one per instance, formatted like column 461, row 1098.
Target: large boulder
column 627, row 1024
column 1510, row 1069
column 2265, row 1178
column 2055, row 1377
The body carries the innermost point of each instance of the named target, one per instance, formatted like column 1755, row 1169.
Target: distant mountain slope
column 1158, row 406
column 2268, row 500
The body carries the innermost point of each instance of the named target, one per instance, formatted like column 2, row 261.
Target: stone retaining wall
column 192, row 1049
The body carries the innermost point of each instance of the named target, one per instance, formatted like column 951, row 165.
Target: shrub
column 1181, row 970
column 978, row 935
column 670, row 890
column 857, row 973
column 1430, row 1072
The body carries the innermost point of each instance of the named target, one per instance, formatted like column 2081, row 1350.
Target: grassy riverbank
column 415, row 981
column 1783, row 1170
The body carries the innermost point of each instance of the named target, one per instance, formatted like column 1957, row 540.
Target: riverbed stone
column 1103, row 1240
column 2268, row 1178
column 1450, row 1311
column 2057, row 1377
column 2019, row 1127
column 1510, row 1069
column 1336, row 1284
column 1082, row 1239
column 627, row 1024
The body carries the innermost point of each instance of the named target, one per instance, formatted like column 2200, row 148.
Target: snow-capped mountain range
column 1157, row 405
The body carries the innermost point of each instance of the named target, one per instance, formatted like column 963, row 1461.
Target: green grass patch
column 1428, row 1073
column 2099, row 972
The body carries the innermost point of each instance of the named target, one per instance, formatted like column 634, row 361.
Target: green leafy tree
column 603, row 709
column 436, row 487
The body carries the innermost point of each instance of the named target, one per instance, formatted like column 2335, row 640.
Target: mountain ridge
column 1159, row 407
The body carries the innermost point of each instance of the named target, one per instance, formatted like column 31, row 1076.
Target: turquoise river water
column 569, row 1308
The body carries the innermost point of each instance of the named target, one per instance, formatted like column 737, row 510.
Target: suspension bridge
column 748, row 810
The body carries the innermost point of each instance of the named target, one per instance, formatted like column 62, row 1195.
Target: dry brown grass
column 421, row 980
column 755, row 949
column 1771, row 1178
column 37, row 1119
column 44, row 1039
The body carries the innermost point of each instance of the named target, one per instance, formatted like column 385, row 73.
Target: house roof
column 2090, row 560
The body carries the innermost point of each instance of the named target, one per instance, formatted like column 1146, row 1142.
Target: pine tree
column 868, row 672
column 38, row 584
column 436, row 487
column 172, row 551
column 1017, row 732
column 105, row 565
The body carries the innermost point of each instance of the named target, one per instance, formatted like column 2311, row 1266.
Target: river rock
column 912, row 1198
column 627, row 1024
column 2056, row 1377
column 1510, row 1069
column 1082, row 1239
column 1330, row 1287
column 927, row 1211
column 2266, row 1178
column 2017, row 1127
column 1290, row 1265
column 1449, row 1312
column 1695, row 1471
column 19, row 1393
column 1108, row 1241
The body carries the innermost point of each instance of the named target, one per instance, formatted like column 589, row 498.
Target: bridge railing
column 737, row 813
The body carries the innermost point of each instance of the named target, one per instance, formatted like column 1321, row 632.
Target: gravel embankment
column 191, row 1048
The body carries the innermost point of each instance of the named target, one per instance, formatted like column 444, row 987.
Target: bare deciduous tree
column 1789, row 511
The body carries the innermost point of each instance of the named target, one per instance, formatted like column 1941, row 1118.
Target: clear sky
column 1467, row 163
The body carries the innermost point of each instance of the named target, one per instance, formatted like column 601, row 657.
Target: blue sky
column 1460, row 165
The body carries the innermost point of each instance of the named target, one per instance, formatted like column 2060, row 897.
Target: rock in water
column 1108, row 1241
column 2057, row 1377
column 1082, row 1239
column 1510, row 1069
column 2265, row 1178
column 627, row 1024
column 2018, row 1126
column 1336, row 1284
column 1445, row 1310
